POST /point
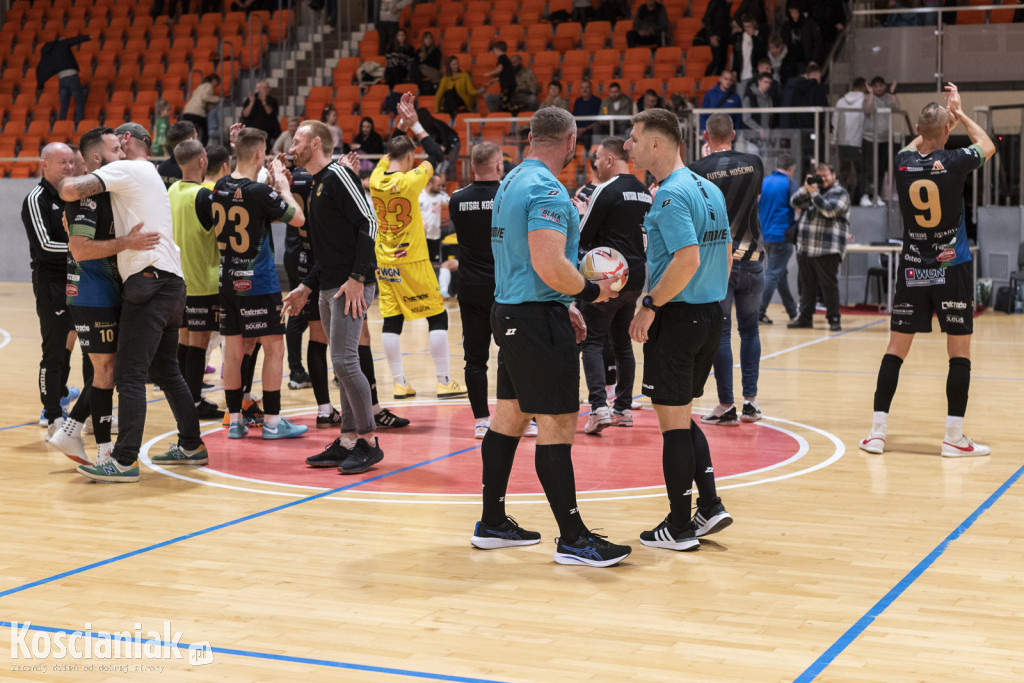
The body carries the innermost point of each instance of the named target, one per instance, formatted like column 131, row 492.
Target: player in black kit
column 934, row 276
column 470, row 211
column 614, row 218
column 739, row 178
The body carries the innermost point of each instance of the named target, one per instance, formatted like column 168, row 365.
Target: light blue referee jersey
column 528, row 199
column 690, row 210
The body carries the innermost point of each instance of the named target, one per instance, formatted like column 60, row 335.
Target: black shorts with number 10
column 96, row 328
column 538, row 361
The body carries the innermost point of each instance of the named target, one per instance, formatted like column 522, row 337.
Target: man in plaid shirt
column 820, row 243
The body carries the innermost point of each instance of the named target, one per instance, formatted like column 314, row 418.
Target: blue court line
column 245, row 653
column 224, row 525
column 847, row 638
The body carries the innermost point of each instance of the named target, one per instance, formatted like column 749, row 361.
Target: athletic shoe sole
column 490, row 542
column 715, row 524
column 562, row 558
column 454, row 394
column 684, row 544
column 720, row 423
column 598, row 428
column 374, row 459
column 70, row 449
column 876, row 445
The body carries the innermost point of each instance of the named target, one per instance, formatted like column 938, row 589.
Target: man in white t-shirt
column 154, row 300
column 433, row 199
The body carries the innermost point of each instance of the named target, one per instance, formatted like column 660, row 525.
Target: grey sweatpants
column 343, row 336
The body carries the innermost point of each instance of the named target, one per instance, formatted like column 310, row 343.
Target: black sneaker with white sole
column 751, row 413
column 711, row 520
column 388, row 420
column 726, row 419
column 668, row 535
column 332, row 456
column 507, row 535
column 299, row 380
column 363, row 457
column 590, row 549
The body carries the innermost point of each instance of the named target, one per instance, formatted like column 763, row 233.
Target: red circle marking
column 619, row 458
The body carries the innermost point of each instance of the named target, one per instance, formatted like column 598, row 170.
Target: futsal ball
column 601, row 263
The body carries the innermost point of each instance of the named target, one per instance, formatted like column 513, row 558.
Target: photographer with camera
column 820, row 243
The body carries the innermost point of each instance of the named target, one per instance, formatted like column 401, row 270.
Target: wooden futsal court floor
column 840, row 565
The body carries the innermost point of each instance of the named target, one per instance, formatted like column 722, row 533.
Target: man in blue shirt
column 722, row 96
column 689, row 247
column 776, row 216
column 534, row 237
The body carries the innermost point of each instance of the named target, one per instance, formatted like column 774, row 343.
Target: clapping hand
column 350, row 161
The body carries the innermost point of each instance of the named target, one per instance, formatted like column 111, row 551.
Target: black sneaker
column 590, row 549
column 668, row 535
column 328, row 421
column 751, row 413
column 332, row 456
column 507, row 535
column 363, row 457
column 299, row 380
column 253, row 414
column 208, row 411
column 386, row 419
column 726, row 419
column 711, row 520
column 799, row 324
column 765, row 320
column 835, row 327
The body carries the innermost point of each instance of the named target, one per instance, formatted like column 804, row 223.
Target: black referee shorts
column 679, row 352
column 538, row 362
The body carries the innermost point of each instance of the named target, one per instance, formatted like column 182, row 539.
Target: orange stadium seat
column 684, row 85
column 602, row 74
column 512, row 34
column 453, row 39
column 644, row 84
column 619, row 34
column 567, row 36
column 280, row 24
column 502, row 16
column 476, row 13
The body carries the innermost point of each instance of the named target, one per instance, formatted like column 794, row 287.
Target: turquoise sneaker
column 237, row 430
column 108, row 469
column 176, row 455
column 283, row 430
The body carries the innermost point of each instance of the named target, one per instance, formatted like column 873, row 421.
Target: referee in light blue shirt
column 689, row 246
column 534, row 237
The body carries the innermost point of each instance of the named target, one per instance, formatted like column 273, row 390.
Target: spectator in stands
column 776, row 216
column 503, row 74
column 649, row 100
column 163, row 122
column 717, row 26
column 783, row 63
column 455, row 91
column 582, row 11
column 525, row 96
column 849, row 133
column 616, row 104
column 830, row 15
column 199, row 105
column 260, row 110
column 587, row 104
column 876, row 127
column 284, row 141
column 806, row 91
column 680, row 106
column 56, row 59
column 758, row 125
column 748, row 89
column 399, row 60
column 329, row 117
column 169, row 170
column 554, row 98
column 649, row 25
column 722, row 96
column 803, row 38
column 428, row 64
column 901, row 19
column 389, row 13
column 368, row 140
column 748, row 48
column 239, row 6
column 174, row 10
column 752, row 8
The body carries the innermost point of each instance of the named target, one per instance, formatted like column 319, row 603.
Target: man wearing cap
column 153, row 303
column 876, row 129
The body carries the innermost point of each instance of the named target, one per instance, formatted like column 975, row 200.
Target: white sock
column 235, row 418
column 752, row 402
column 73, row 427
column 439, row 352
column 376, row 409
column 324, row 410
column 271, row 420
column 444, row 279
column 392, row 344
column 879, row 424
column 954, row 429
column 247, row 396
column 105, row 448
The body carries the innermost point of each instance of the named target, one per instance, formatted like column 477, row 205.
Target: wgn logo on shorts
column 390, row 274
column 923, row 277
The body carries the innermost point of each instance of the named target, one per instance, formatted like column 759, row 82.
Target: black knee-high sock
column 195, row 368
column 87, row 369
column 233, row 399
column 183, row 359
column 244, row 370
column 609, row 362
column 888, row 378
column 316, row 361
column 272, row 402
column 677, row 462
column 366, row 367
column 497, row 453
column 554, row 469
column 958, row 385
column 80, row 411
column 703, row 469
column 101, row 405
column 249, row 368
column 293, row 341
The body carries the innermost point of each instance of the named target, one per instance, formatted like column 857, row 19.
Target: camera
column 813, row 180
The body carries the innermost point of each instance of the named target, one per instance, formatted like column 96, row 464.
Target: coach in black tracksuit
column 470, row 211
column 42, row 213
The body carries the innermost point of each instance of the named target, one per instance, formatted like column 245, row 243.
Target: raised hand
column 350, row 160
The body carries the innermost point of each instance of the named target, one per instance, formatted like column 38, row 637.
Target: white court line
column 6, row 338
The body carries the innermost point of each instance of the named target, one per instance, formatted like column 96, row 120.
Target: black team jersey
column 342, row 228
column 739, row 178
column 615, row 218
column 931, row 193
column 96, row 282
column 470, row 211
column 296, row 238
column 243, row 210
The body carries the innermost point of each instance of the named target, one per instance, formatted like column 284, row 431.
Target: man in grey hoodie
column 848, row 134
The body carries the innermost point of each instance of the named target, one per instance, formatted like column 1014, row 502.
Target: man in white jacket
column 848, row 134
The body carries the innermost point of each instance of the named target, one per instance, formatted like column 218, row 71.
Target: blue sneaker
column 283, row 430
column 108, row 469
column 73, row 393
column 237, row 430
column 590, row 549
column 508, row 534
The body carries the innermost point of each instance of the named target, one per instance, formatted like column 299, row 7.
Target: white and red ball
column 601, row 263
